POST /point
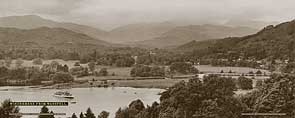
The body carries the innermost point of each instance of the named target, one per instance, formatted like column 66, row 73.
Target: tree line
column 54, row 72
column 214, row 97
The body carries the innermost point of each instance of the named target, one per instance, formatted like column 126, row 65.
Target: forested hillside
column 273, row 42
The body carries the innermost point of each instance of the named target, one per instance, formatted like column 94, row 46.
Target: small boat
column 63, row 94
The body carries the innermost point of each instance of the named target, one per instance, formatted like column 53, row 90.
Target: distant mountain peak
column 184, row 34
column 35, row 21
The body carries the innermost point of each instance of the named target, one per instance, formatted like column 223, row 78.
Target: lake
column 98, row 99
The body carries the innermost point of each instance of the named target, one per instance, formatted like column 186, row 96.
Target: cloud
column 48, row 7
column 111, row 13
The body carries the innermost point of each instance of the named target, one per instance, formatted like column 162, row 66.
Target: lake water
column 98, row 99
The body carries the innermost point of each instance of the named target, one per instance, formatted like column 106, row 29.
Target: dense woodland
column 273, row 42
column 214, row 98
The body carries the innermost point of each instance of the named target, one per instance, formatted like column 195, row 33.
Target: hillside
column 138, row 32
column 33, row 21
column 45, row 37
column 249, row 23
column 185, row 34
column 271, row 42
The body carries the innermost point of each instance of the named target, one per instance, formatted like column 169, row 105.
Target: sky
column 108, row 14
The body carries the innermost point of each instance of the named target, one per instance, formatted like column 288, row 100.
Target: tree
column 3, row 72
column 16, row 74
column 44, row 109
column 103, row 72
column 82, row 115
column 79, row 71
column 62, row 77
column 245, row 83
column 77, row 64
column 6, row 108
column 135, row 107
column 258, row 72
column 85, row 58
column 54, row 64
column 289, row 68
column 7, row 62
column 259, row 83
column 147, row 71
column 89, row 114
column 2, row 63
column 125, row 61
column 18, row 63
column 275, row 96
column 103, row 114
column 230, row 71
column 183, row 68
column 122, row 113
column 213, row 97
column 38, row 61
column 157, row 71
column 91, row 66
column 74, row 115
column 65, row 68
column 140, row 71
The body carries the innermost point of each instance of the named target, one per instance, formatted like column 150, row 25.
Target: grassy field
column 119, row 71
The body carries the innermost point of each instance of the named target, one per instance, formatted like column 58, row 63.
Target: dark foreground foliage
column 214, row 97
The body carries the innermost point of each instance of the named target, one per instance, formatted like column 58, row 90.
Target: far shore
column 152, row 83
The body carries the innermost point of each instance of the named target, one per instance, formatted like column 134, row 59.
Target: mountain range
column 45, row 37
column 152, row 35
column 270, row 42
column 33, row 21
column 256, row 24
column 184, row 34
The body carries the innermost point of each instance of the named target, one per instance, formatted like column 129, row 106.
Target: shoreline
column 153, row 83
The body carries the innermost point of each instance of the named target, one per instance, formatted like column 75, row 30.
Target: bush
column 147, row 71
column 259, row 83
column 61, row 77
column 183, row 68
column 258, row 72
column 79, row 71
column 77, row 64
column 38, row 61
column 18, row 63
column 245, row 83
column 103, row 72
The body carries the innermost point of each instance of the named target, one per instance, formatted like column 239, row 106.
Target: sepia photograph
column 147, row 59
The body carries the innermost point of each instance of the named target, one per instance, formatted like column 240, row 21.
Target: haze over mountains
column 139, row 32
column 249, row 23
column 154, row 35
column 184, row 34
column 33, row 21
